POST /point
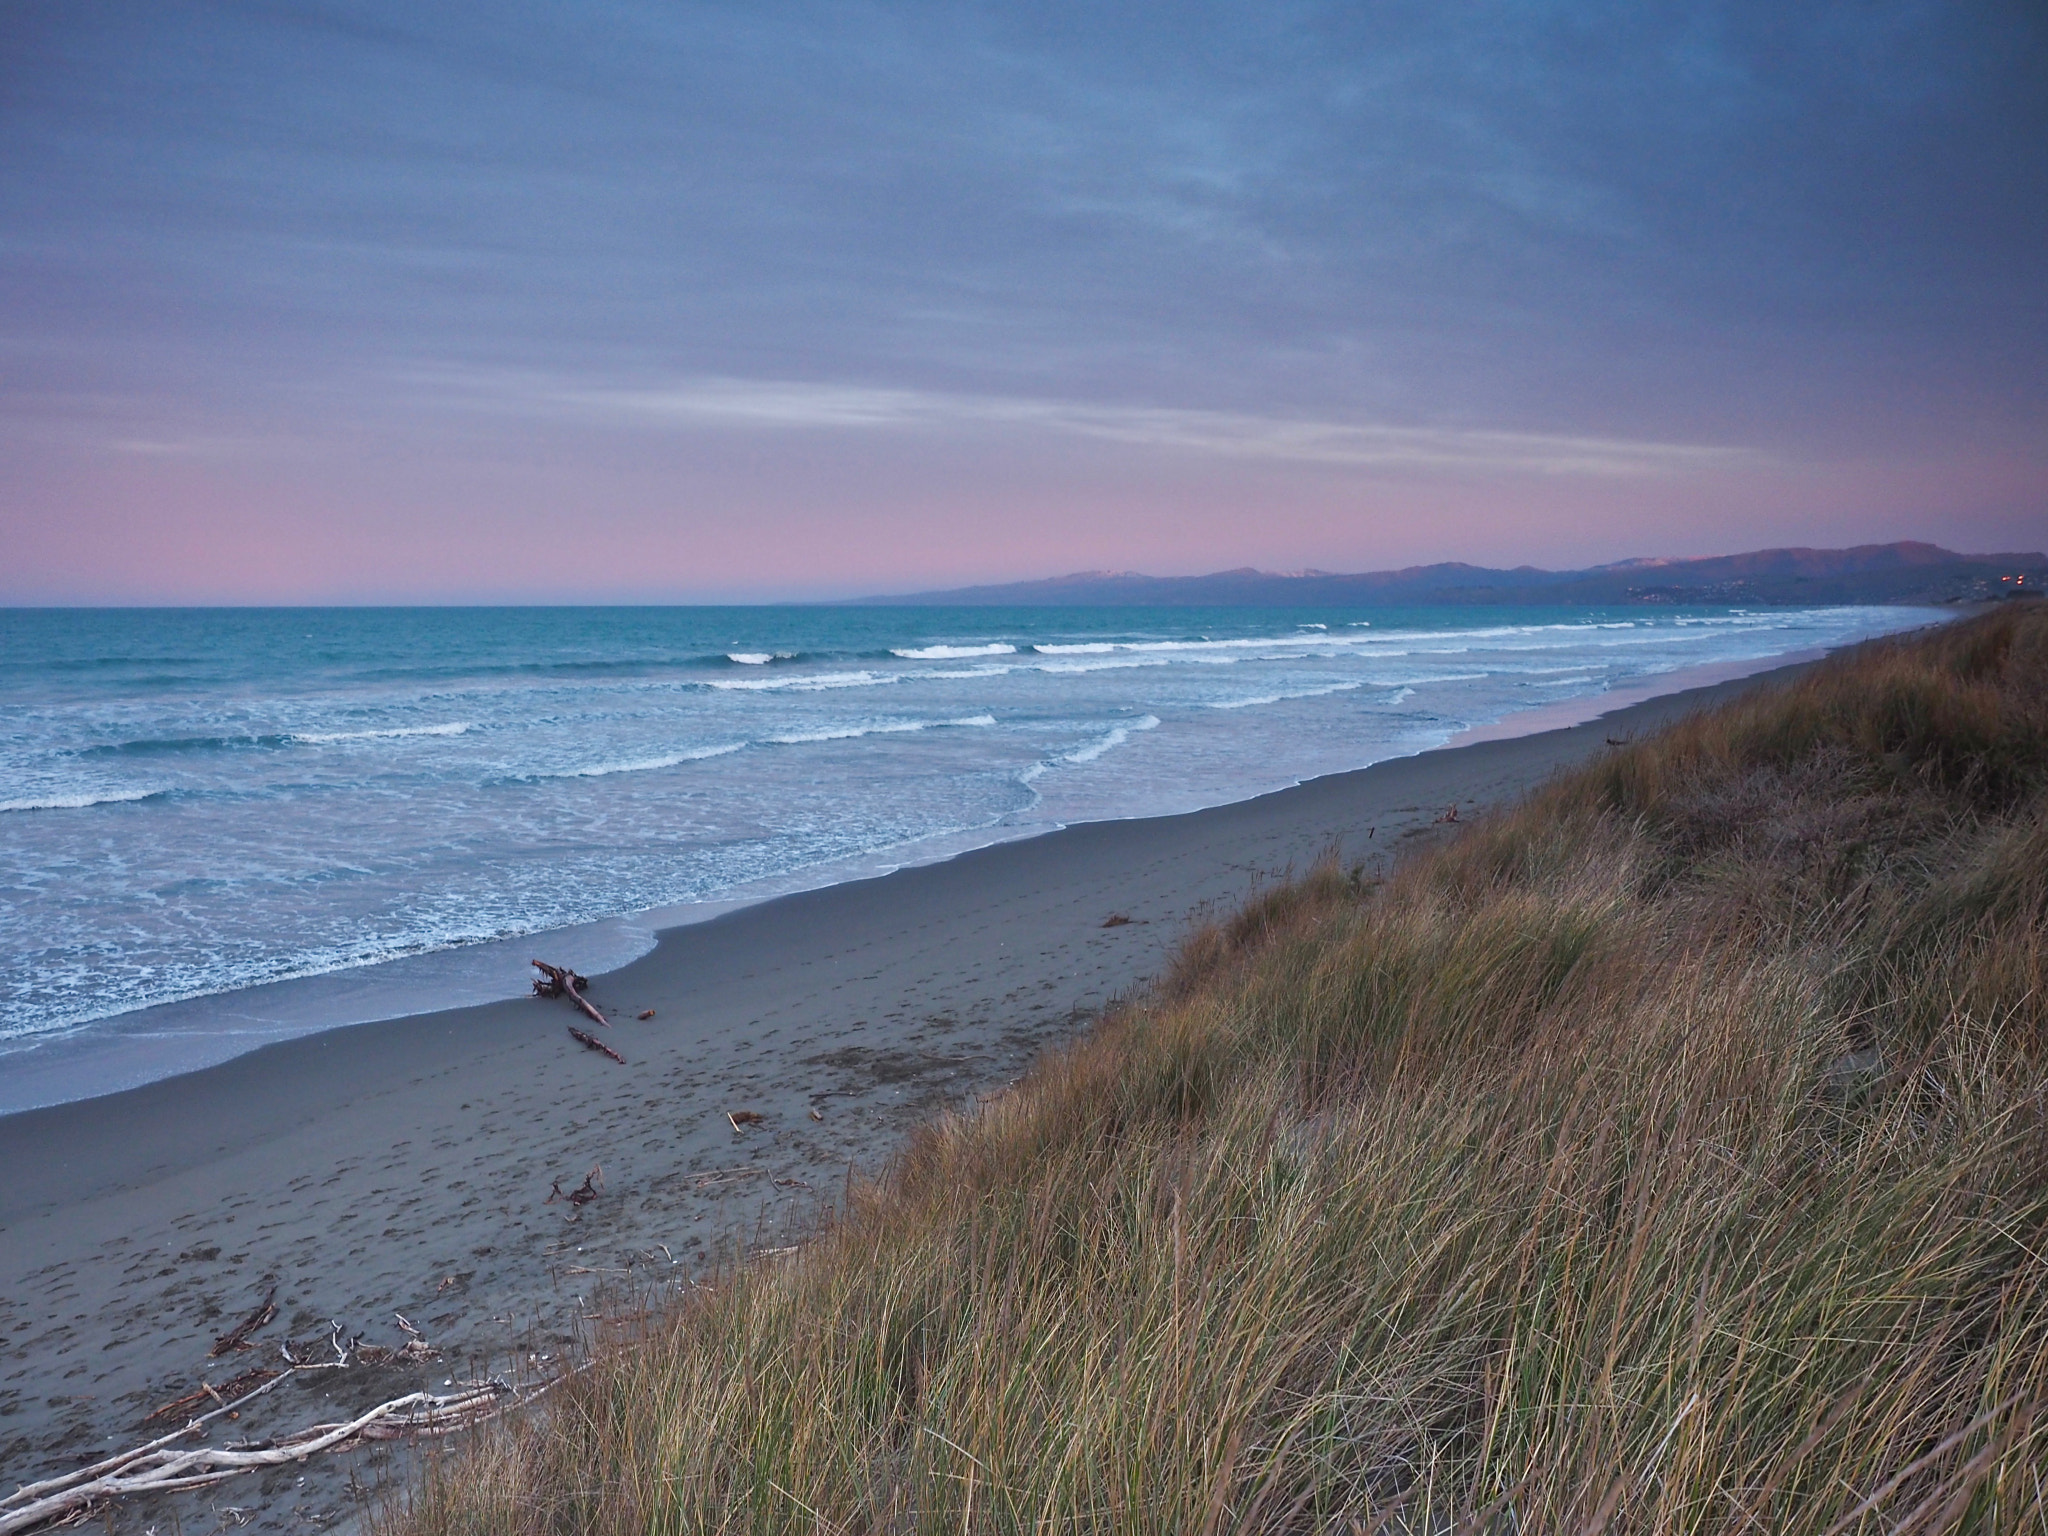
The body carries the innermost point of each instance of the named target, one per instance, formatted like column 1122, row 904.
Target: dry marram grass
column 1665, row 1155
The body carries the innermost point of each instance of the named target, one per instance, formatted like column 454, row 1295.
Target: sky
column 519, row 301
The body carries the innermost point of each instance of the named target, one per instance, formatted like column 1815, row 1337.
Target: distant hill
column 1870, row 573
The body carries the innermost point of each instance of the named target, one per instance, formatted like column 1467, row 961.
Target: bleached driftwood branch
column 162, row 1466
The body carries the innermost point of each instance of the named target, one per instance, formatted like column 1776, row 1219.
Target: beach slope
column 1668, row 1152
column 405, row 1167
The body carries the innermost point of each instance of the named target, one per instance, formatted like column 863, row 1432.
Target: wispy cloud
column 745, row 404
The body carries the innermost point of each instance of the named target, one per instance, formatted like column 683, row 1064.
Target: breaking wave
column 954, row 652
column 876, row 728
column 322, row 738
column 641, row 764
column 1111, row 740
column 81, row 801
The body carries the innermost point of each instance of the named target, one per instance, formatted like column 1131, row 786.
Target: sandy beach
column 406, row 1166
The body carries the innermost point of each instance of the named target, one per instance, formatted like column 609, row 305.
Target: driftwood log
column 560, row 981
column 162, row 1465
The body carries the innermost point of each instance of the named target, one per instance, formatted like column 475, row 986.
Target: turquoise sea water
column 193, row 802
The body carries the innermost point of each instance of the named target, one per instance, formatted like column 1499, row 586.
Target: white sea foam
column 955, row 652
column 1196, row 649
column 1112, row 664
column 1281, row 698
column 1111, row 740
column 322, row 738
column 1318, row 637
column 750, row 658
column 804, row 683
column 79, row 802
column 876, row 728
column 645, row 764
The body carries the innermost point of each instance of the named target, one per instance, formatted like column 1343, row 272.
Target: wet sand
column 405, row 1166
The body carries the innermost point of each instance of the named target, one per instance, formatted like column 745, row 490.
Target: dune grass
column 1666, row 1154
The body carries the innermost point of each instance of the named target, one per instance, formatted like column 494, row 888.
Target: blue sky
column 342, row 302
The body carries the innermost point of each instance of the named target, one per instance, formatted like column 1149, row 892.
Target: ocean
column 198, row 802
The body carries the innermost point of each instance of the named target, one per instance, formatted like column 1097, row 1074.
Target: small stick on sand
column 237, row 1337
column 584, row 1037
column 583, row 1193
column 560, row 981
column 726, row 1175
column 206, row 1392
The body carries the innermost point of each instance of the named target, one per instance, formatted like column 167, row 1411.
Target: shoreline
column 169, row 1040
column 404, row 1166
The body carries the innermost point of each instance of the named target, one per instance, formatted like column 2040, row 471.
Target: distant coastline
column 1903, row 572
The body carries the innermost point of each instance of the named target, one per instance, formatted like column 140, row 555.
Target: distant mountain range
column 1870, row 573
